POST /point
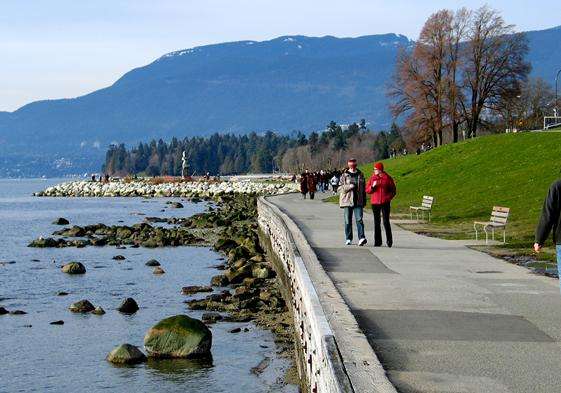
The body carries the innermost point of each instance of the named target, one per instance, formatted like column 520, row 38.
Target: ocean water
column 39, row 357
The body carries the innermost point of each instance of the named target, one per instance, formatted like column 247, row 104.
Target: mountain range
column 284, row 84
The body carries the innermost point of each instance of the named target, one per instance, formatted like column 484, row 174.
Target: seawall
column 333, row 353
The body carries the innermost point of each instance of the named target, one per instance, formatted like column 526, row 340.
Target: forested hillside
column 254, row 153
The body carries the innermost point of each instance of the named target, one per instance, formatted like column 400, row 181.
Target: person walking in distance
column 550, row 220
column 334, row 183
column 352, row 198
column 312, row 182
column 382, row 190
column 304, row 183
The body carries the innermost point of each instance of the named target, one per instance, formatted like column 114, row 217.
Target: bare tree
column 494, row 65
column 457, row 33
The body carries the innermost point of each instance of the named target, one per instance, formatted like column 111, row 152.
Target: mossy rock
column 223, row 244
column 178, row 337
column 74, row 268
column 219, row 280
column 236, row 276
column 44, row 243
column 126, row 354
column 262, row 270
column 82, row 306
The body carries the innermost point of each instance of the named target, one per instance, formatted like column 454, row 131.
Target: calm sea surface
column 39, row 357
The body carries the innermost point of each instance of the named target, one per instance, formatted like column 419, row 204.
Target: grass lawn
column 468, row 178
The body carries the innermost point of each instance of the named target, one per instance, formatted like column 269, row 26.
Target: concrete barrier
column 320, row 360
column 339, row 356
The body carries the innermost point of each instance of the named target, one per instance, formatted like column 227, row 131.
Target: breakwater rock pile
column 148, row 188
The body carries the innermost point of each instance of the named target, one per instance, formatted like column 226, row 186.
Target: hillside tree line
column 227, row 154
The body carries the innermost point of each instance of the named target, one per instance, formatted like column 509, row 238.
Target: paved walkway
column 440, row 316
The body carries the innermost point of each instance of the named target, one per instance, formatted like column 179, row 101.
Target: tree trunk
column 455, row 131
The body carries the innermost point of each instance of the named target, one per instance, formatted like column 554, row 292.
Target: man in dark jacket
column 551, row 221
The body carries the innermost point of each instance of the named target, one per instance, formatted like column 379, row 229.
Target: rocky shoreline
column 246, row 289
column 153, row 188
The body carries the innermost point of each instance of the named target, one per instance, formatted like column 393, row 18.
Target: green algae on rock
column 178, row 336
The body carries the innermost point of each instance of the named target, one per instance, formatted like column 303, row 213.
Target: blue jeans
column 357, row 211
column 559, row 263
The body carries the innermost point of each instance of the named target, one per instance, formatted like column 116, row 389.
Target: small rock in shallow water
column 18, row 312
column 119, row 257
column 74, row 268
column 211, row 317
column 158, row 270
column 3, row 311
column 98, row 311
column 62, row 293
column 57, row 323
column 61, row 221
column 82, row 306
column 126, row 354
column 235, row 330
column 263, row 364
column 219, row 281
column 189, row 290
column 152, row 262
column 128, row 306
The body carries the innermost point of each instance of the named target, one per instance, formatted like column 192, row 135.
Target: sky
column 66, row 48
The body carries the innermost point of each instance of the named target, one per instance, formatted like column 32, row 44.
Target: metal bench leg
column 475, row 228
column 486, row 235
column 493, row 229
column 411, row 213
column 429, row 215
column 504, row 236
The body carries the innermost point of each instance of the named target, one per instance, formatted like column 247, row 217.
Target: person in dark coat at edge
column 550, row 221
column 304, row 183
column 352, row 198
column 312, row 181
column 382, row 190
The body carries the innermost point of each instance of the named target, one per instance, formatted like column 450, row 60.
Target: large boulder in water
column 178, row 337
column 74, row 268
column 128, row 306
column 82, row 306
column 126, row 354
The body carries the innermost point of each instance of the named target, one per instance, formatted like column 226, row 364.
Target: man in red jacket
column 381, row 188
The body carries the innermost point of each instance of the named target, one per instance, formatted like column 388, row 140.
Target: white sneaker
column 362, row 242
column 348, row 242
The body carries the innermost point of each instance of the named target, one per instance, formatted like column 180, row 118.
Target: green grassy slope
column 467, row 179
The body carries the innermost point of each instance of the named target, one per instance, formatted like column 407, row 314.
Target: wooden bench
column 499, row 218
column 426, row 206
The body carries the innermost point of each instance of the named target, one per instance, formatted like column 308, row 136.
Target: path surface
column 440, row 316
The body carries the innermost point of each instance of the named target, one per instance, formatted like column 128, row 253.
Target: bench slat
column 501, row 209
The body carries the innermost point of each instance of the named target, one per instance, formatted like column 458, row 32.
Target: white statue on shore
column 184, row 166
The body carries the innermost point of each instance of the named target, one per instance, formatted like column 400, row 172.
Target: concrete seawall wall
column 335, row 355
column 320, row 363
